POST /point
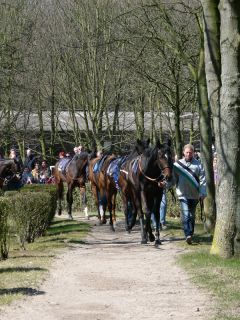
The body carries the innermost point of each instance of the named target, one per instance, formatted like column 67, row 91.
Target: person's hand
column 162, row 184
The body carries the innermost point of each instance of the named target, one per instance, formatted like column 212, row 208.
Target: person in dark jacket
column 30, row 160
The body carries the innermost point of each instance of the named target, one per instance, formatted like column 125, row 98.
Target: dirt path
column 111, row 277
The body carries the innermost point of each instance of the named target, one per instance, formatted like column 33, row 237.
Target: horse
column 74, row 176
column 104, row 186
column 143, row 185
column 8, row 170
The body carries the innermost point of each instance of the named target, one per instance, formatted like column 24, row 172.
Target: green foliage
column 30, row 215
column 32, row 210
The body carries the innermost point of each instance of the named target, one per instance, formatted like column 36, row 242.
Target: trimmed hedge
column 4, row 228
column 31, row 211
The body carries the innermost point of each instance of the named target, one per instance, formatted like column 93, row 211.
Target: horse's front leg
column 147, row 206
column 138, row 206
column 70, row 200
column 157, row 219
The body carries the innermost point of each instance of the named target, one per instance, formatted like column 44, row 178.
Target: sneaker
column 189, row 239
column 164, row 227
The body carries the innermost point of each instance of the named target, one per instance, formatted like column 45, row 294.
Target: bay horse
column 75, row 176
column 144, row 186
column 103, row 188
column 8, row 170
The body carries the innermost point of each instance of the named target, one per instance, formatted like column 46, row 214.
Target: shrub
column 50, row 189
column 4, row 228
column 30, row 214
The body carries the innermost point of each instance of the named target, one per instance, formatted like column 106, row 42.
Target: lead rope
column 203, row 216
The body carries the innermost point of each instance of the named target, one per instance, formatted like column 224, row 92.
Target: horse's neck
column 149, row 165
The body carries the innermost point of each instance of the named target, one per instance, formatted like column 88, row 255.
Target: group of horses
column 140, row 177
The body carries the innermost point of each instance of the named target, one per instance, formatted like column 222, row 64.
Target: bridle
column 160, row 178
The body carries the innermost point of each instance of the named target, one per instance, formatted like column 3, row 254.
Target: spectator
column 45, row 173
column 13, row 155
column 30, row 160
column 190, row 188
column 27, row 177
column 61, row 155
column 36, row 173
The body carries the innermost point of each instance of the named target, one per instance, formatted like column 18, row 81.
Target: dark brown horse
column 103, row 188
column 8, row 171
column 141, row 179
column 74, row 176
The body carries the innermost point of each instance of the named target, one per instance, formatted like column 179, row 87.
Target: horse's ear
column 148, row 141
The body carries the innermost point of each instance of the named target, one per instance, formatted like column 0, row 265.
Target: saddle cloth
column 63, row 163
column 98, row 165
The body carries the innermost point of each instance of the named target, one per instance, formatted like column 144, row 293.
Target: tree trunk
column 227, row 232
column 206, row 145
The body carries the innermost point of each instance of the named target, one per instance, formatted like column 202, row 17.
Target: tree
column 226, row 240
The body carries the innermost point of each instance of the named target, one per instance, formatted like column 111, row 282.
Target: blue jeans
column 188, row 209
column 162, row 211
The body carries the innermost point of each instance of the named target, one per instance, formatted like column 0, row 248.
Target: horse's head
column 141, row 145
column 8, row 170
column 164, row 159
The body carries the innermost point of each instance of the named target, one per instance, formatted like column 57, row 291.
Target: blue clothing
column 162, row 211
column 63, row 163
column 188, row 209
column 163, row 208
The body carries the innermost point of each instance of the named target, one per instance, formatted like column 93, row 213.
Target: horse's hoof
column 103, row 221
column 70, row 217
column 157, row 242
column 59, row 212
column 112, row 228
column 151, row 237
column 144, row 241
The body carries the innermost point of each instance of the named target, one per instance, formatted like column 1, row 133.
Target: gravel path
column 113, row 276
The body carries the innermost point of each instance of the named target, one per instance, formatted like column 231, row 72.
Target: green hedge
column 4, row 228
column 32, row 209
column 29, row 215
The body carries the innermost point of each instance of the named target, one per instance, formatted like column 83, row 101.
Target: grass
column 220, row 277
column 22, row 273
